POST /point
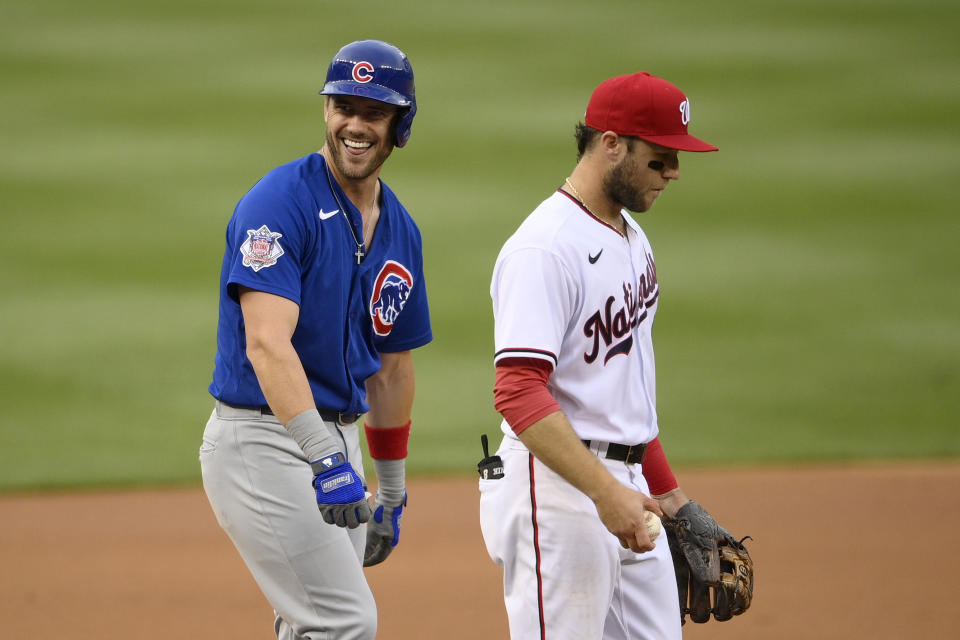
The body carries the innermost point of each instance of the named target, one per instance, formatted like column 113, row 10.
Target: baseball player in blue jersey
column 322, row 299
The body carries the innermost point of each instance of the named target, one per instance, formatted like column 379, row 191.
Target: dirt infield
column 154, row 564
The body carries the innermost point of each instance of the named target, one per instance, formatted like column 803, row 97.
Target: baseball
column 653, row 525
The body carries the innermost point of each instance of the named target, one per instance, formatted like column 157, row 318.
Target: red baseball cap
column 644, row 106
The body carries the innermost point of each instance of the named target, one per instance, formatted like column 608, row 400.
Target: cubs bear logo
column 363, row 71
column 390, row 292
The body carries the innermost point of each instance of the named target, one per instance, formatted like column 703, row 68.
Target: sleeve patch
column 261, row 249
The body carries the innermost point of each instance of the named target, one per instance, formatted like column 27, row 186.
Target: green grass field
column 810, row 276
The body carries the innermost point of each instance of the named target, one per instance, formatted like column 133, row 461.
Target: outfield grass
column 809, row 271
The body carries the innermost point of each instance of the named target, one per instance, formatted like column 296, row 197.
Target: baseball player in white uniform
column 575, row 292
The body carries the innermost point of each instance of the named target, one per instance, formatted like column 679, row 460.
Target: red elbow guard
column 520, row 393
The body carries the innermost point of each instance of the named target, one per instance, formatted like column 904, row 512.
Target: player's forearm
column 390, row 391
column 554, row 442
column 284, row 384
column 281, row 377
column 390, row 396
column 270, row 321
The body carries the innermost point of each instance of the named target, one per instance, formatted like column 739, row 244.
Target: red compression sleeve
column 657, row 471
column 520, row 393
column 387, row 444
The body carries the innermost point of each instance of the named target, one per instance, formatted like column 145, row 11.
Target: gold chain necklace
column 579, row 198
column 576, row 194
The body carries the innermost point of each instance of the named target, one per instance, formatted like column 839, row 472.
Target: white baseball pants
column 565, row 577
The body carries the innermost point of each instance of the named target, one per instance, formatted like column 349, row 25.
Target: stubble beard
column 619, row 185
column 352, row 171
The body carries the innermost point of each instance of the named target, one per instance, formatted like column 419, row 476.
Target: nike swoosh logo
column 328, row 214
column 593, row 259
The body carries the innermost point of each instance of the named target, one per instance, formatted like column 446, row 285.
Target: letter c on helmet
column 363, row 71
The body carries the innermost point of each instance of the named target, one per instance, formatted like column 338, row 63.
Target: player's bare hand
column 622, row 511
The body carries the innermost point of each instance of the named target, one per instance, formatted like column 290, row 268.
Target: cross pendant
column 359, row 254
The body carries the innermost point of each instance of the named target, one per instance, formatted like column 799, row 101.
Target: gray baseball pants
column 258, row 483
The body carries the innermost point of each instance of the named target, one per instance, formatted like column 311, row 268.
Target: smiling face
column 641, row 175
column 359, row 135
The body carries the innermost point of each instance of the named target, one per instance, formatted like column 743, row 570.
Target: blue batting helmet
column 378, row 70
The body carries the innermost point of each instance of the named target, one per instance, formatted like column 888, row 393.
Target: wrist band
column 656, row 470
column 391, row 481
column 387, row 444
column 309, row 431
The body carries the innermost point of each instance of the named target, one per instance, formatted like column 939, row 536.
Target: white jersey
column 569, row 289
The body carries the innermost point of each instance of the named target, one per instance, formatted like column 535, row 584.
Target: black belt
column 631, row 454
column 328, row 416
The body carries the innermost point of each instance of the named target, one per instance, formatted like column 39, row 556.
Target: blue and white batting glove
column 341, row 496
column 383, row 531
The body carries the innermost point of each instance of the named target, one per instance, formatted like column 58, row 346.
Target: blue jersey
column 289, row 236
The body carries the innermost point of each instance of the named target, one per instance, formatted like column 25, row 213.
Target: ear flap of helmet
column 404, row 124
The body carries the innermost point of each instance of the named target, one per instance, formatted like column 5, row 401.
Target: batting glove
column 383, row 531
column 341, row 496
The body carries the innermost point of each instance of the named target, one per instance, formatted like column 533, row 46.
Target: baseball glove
column 708, row 561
